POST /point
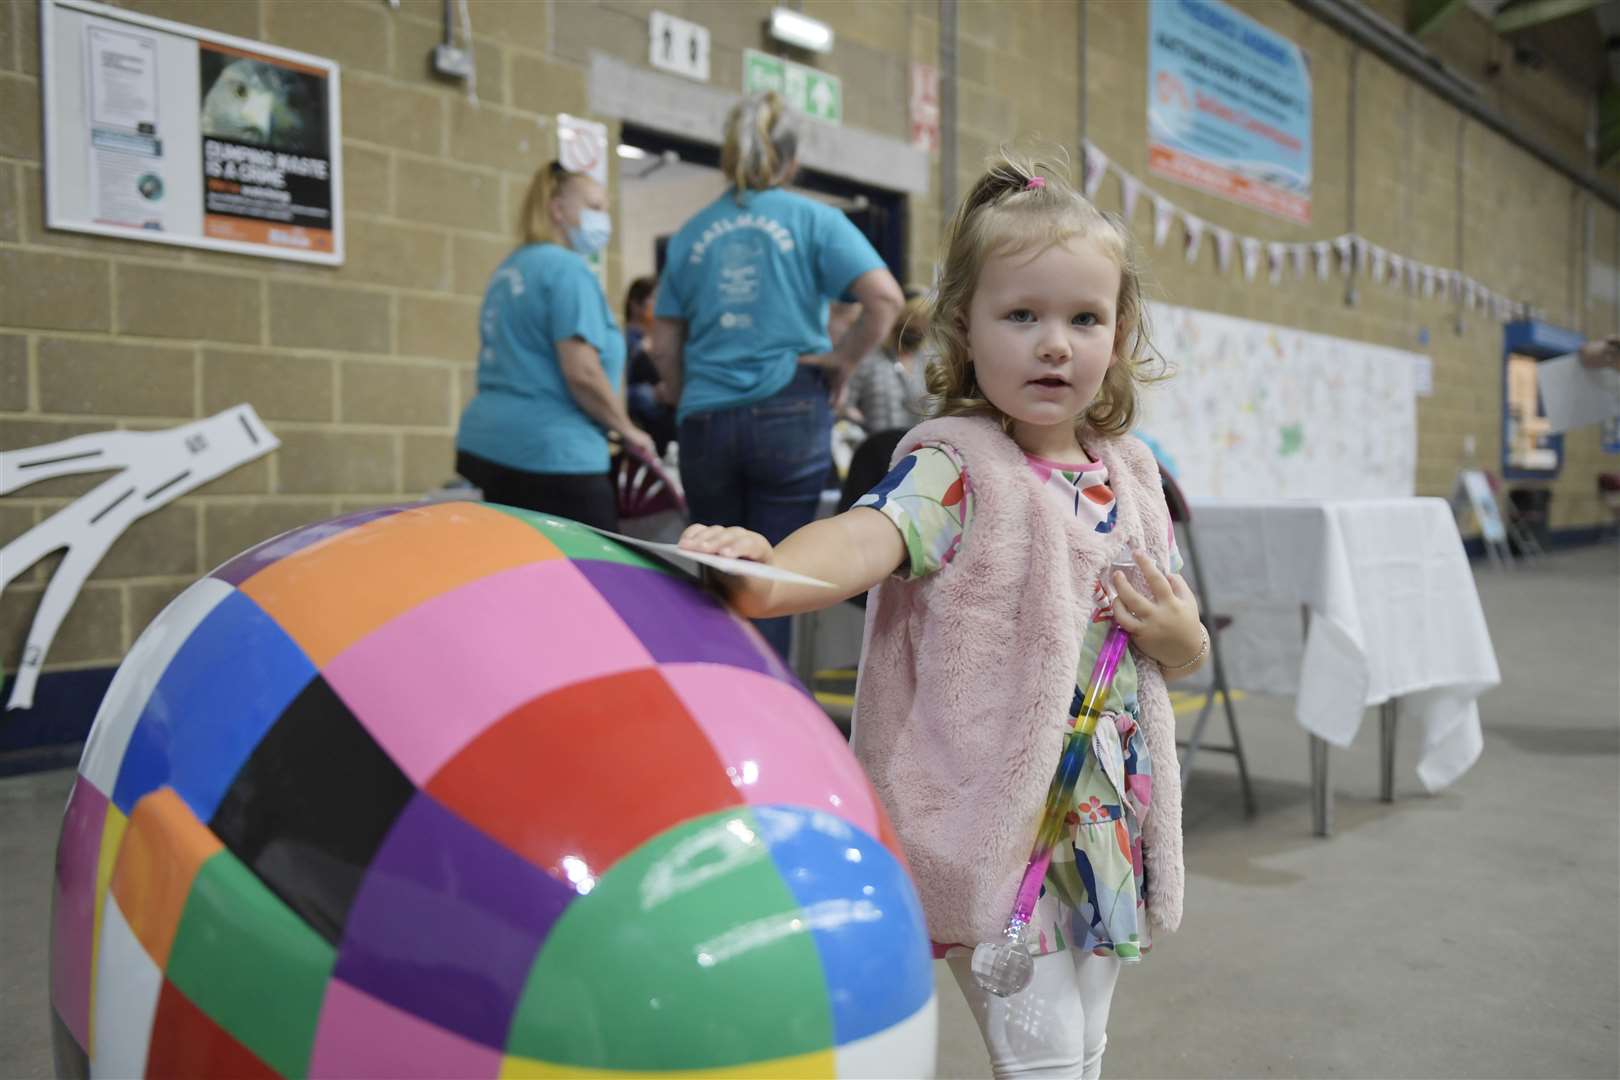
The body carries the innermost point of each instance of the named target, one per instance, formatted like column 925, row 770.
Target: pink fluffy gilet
column 966, row 678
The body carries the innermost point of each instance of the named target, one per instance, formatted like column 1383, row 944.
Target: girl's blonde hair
column 1003, row 214
column 534, row 220
column 762, row 136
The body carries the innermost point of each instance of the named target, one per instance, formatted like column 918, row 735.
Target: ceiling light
column 634, row 153
column 792, row 28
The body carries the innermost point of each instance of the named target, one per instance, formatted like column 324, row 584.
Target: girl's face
column 1041, row 333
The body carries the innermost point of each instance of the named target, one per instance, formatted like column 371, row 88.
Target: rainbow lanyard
column 1061, row 791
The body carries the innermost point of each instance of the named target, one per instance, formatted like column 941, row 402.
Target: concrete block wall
column 362, row 371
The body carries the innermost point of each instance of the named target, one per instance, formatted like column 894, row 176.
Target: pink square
column 775, row 742
column 360, row 1036
column 73, row 915
column 432, row 680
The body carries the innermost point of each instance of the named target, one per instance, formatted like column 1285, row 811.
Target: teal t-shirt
column 752, row 284
column 523, row 415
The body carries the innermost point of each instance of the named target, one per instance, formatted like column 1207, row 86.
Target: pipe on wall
column 1396, row 48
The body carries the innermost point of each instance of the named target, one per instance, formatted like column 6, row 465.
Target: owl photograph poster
column 267, row 177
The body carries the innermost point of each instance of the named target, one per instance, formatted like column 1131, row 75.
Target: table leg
column 1387, row 713
column 1321, row 793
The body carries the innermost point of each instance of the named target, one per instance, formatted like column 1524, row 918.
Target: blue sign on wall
column 1229, row 106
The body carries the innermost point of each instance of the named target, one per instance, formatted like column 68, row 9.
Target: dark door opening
column 879, row 214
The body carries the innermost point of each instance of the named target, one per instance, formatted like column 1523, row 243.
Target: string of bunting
column 1345, row 253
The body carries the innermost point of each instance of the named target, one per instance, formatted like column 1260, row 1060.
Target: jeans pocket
column 793, row 431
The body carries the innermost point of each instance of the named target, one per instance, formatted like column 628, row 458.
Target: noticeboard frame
column 54, row 162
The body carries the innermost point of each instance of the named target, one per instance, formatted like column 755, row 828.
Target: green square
column 578, row 541
column 253, row 966
column 689, row 953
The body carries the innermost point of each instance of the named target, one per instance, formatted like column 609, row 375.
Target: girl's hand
column 748, row 595
column 1164, row 623
column 731, row 543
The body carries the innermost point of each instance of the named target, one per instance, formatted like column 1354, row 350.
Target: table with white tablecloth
column 1390, row 614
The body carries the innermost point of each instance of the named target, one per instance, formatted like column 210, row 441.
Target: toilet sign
column 679, row 46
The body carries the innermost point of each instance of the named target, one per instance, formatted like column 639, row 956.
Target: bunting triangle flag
column 1274, row 261
column 1096, row 168
column 1223, row 249
column 1193, row 236
column 1130, row 188
column 1251, row 257
column 1164, row 212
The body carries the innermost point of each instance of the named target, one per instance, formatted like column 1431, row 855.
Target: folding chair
column 869, row 464
column 1609, row 496
column 1181, row 515
column 1519, row 519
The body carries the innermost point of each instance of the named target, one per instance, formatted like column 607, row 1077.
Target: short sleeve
column 670, row 304
column 842, row 254
column 927, row 498
column 575, row 308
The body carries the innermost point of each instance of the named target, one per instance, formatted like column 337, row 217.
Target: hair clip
column 1036, row 183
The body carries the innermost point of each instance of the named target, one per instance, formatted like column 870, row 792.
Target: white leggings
column 1056, row 1027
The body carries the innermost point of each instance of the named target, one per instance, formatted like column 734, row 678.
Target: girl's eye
column 1022, row 315
column 1085, row 319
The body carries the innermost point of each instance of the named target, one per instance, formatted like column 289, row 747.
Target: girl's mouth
column 1051, row 380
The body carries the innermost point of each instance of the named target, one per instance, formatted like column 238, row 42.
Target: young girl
column 991, row 541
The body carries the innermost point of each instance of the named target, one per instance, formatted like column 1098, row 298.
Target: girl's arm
column 852, row 551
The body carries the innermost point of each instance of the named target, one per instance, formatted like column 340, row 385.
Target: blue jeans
column 761, row 466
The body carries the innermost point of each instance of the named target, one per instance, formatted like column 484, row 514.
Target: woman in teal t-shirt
column 550, row 364
column 742, row 333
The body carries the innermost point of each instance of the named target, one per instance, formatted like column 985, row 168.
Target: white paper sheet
column 1575, row 395
column 689, row 560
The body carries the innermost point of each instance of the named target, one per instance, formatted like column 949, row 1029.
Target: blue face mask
column 592, row 233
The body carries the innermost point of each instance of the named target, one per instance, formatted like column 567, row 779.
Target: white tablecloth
column 1393, row 614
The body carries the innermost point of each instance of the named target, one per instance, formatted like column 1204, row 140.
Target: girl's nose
column 1053, row 347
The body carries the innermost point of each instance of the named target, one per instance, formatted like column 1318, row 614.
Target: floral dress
column 1095, row 890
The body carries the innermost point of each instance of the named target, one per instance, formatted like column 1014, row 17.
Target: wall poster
column 1256, row 411
column 1229, row 107
column 169, row 133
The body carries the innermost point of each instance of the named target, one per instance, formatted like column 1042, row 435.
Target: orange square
column 333, row 593
column 164, row 847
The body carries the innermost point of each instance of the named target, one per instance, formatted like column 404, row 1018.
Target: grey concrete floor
column 1471, row 933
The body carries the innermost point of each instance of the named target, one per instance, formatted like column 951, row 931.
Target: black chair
column 1181, row 515
column 869, row 464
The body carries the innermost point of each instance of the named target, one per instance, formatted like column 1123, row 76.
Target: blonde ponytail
column 762, row 136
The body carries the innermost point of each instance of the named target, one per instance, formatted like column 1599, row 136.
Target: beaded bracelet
column 1202, row 649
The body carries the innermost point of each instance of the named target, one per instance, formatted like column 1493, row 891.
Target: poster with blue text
column 1229, row 107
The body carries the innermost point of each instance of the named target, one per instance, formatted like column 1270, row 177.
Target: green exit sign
column 814, row 93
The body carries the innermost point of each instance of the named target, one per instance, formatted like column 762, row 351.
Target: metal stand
column 1321, row 794
column 1387, row 713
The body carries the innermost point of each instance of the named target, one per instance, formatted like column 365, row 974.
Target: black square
column 311, row 806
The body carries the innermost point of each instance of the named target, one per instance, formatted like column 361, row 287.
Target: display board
column 169, row 133
column 1229, row 106
column 1258, row 411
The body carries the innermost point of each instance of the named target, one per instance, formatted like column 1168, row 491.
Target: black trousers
column 588, row 498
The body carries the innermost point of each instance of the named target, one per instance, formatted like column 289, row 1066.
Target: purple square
column 676, row 621
column 448, row 922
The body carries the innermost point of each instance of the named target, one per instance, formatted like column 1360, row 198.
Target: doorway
column 665, row 179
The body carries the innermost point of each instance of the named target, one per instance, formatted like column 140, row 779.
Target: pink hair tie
column 1036, row 183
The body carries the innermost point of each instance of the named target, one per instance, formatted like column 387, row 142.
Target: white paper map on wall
column 1261, row 411
column 152, row 468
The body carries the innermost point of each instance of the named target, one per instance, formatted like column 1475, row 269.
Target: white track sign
column 168, row 133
